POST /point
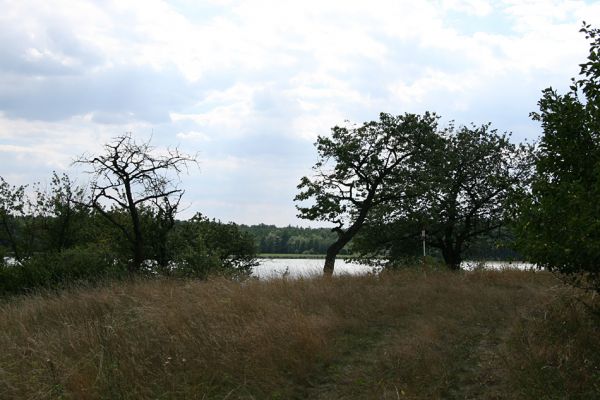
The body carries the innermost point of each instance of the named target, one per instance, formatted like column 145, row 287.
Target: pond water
column 304, row 267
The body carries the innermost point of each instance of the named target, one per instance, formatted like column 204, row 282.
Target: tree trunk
column 343, row 239
column 329, row 263
column 452, row 258
column 64, row 220
column 138, row 243
column 138, row 256
column 332, row 252
column 162, row 250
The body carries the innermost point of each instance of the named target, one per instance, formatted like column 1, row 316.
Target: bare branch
column 129, row 176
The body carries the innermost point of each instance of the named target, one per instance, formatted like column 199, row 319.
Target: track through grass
column 414, row 334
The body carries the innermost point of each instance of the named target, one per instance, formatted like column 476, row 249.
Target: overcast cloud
column 249, row 84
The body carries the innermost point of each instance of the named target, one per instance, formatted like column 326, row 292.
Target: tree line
column 270, row 239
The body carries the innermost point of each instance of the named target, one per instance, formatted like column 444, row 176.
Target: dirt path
column 354, row 369
column 478, row 373
column 472, row 372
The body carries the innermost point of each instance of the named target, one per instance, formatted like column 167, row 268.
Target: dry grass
column 555, row 350
column 410, row 334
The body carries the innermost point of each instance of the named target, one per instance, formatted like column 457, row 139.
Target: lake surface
column 304, row 267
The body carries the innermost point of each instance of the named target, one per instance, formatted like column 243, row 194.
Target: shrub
column 202, row 247
column 87, row 264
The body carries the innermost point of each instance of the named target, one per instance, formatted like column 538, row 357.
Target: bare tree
column 130, row 176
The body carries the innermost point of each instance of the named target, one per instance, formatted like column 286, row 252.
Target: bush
column 87, row 264
column 202, row 247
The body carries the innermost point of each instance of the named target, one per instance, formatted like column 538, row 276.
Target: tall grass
column 409, row 334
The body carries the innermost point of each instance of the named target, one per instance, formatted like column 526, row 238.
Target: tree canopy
column 559, row 225
column 361, row 168
column 470, row 178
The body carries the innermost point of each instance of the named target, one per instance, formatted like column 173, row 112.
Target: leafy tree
column 560, row 221
column 129, row 177
column 362, row 168
column 54, row 240
column 471, row 177
column 60, row 215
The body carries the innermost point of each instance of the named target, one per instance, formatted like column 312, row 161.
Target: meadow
column 410, row 334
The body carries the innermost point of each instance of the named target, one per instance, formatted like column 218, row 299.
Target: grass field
column 404, row 335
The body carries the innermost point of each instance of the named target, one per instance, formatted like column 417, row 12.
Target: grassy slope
column 413, row 335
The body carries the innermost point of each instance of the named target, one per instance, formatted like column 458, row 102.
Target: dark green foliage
column 58, row 237
column 12, row 206
column 362, row 168
column 498, row 245
column 65, row 217
column 72, row 244
column 201, row 247
column 462, row 195
column 391, row 179
column 474, row 176
column 560, row 221
column 389, row 245
column 88, row 264
column 45, row 221
column 291, row 239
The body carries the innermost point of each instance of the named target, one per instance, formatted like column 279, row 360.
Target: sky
column 248, row 85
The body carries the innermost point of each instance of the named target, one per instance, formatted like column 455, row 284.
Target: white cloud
column 318, row 123
column 45, row 146
column 193, row 135
column 21, row 150
column 266, row 76
column 474, row 7
column 432, row 82
column 219, row 166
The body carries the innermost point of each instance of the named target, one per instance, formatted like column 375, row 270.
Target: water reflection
column 304, row 267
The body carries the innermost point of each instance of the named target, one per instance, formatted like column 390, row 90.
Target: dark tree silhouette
column 129, row 177
column 469, row 182
column 360, row 168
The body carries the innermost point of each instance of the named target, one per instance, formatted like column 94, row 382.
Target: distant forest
column 270, row 239
column 290, row 239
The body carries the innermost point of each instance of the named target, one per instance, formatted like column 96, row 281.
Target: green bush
column 201, row 247
column 87, row 264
